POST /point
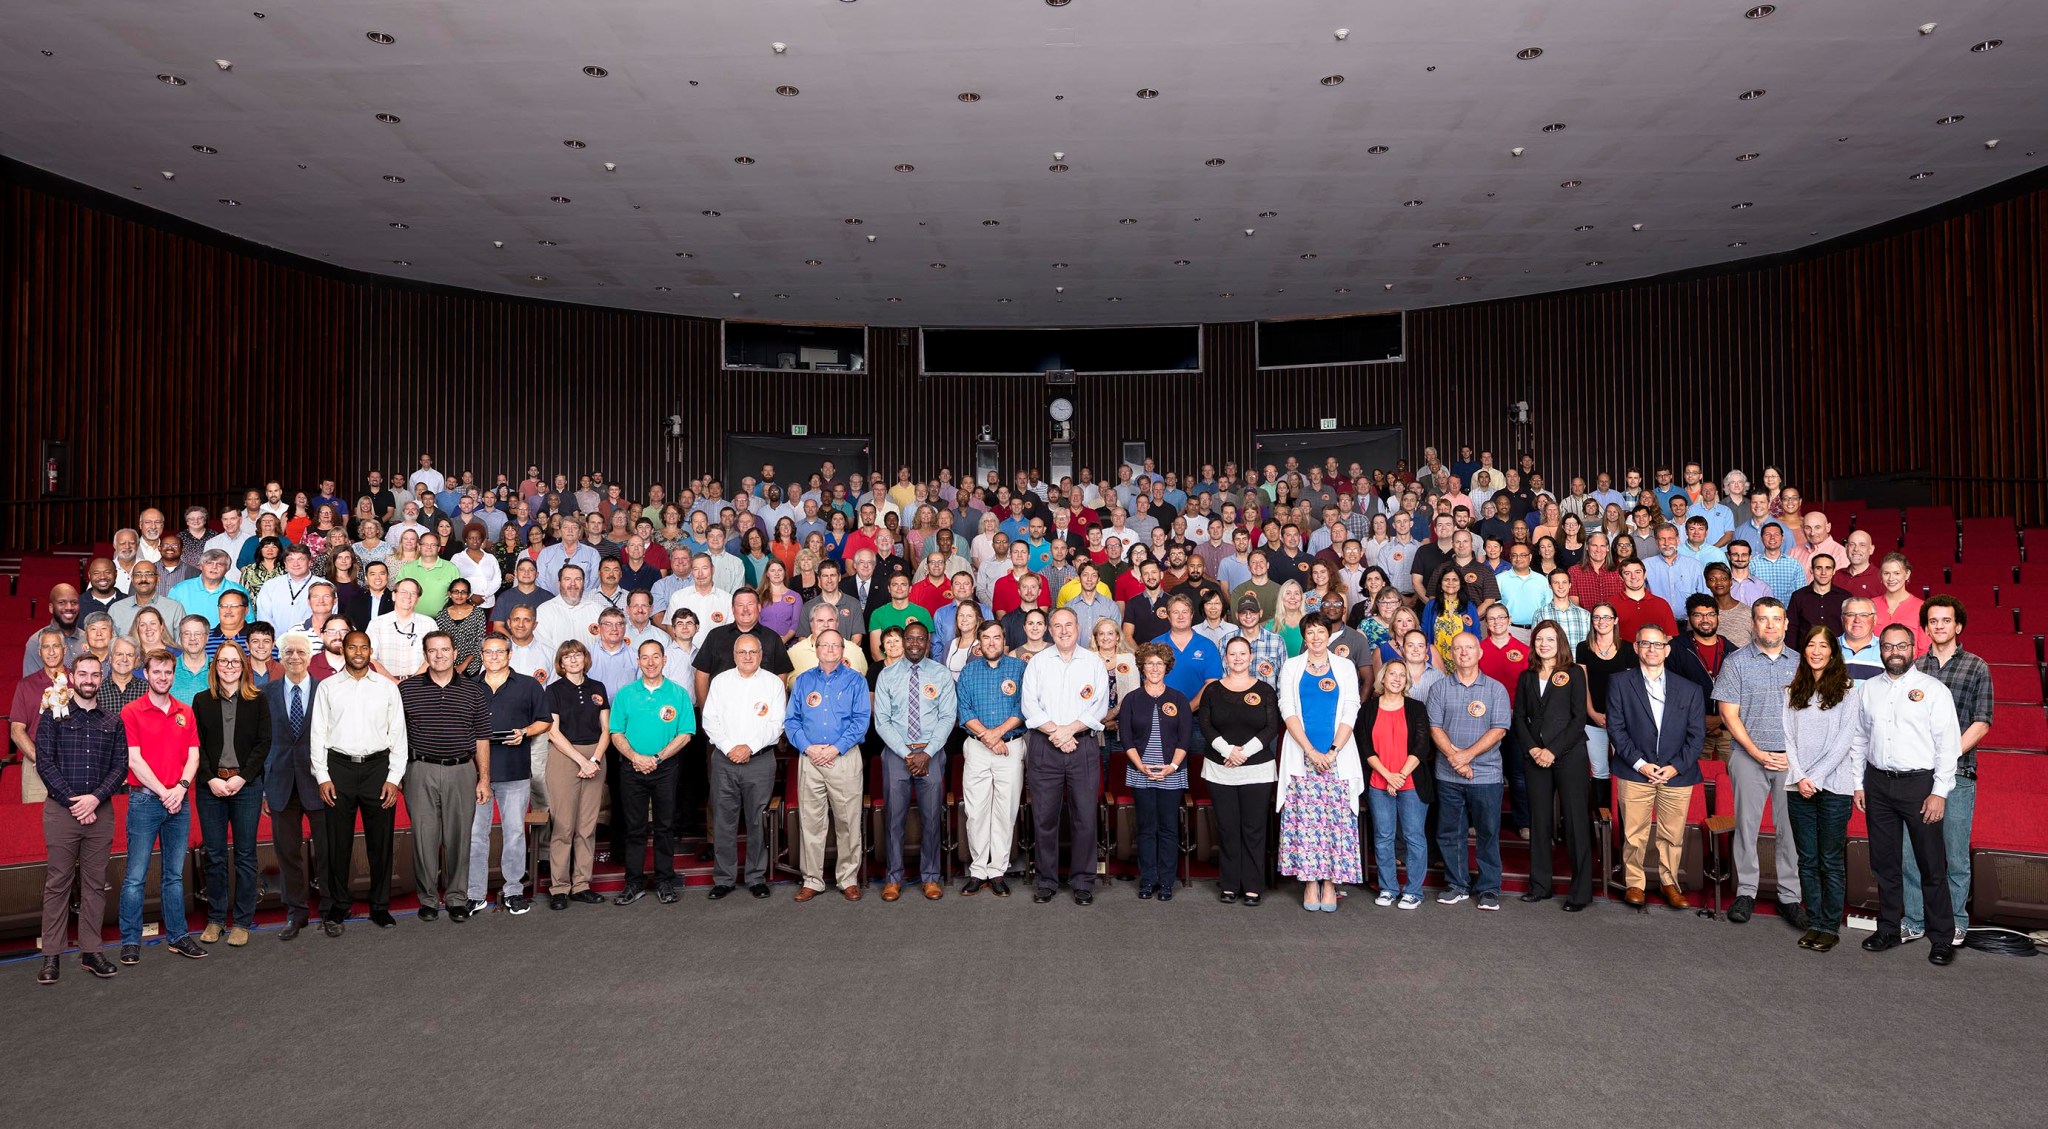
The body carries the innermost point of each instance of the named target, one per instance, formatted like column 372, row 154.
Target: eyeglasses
column 1907, row 647
column 1647, row 644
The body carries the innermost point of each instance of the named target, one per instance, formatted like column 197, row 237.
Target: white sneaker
column 1385, row 899
column 1411, row 901
column 1962, row 938
column 1907, row 934
column 1451, row 897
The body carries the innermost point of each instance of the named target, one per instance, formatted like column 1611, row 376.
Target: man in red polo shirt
column 934, row 590
column 1638, row 606
column 163, row 757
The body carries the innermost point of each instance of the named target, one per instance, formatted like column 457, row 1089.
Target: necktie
column 916, row 712
column 298, row 712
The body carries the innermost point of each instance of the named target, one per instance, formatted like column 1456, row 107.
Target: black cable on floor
column 2004, row 942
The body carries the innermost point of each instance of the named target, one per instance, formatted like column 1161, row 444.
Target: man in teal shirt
column 651, row 721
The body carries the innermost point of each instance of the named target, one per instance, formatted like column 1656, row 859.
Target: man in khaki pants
column 828, row 716
column 1656, row 725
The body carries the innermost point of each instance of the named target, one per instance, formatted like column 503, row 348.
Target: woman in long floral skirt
column 1321, row 777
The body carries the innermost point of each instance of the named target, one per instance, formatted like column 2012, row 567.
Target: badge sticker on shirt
column 1160, row 612
column 1476, row 709
column 1253, row 699
column 931, row 692
column 1123, row 668
column 180, row 718
column 718, row 617
column 1911, row 696
column 668, row 713
column 760, row 709
column 1169, row 709
column 1472, row 579
column 1087, row 692
column 814, row 699
column 1343, row 650
column 1400, row 556
column 1560, row 679
column 1009, row 685
column 1326, row 684
column 597, row 699
column 1265, row 670
column 1515, row 656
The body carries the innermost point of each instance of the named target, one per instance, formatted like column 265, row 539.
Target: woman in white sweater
column 1321, row 776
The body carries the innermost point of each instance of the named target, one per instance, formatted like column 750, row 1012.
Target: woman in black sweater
column 1550, row 729
column 1241, row 717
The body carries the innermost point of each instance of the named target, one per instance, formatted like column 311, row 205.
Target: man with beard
column 173, row 566
column 65, row 611
column 143, row 592
column 1909, row 720
column 358, row 755
column 102, row 589
column 81, row 758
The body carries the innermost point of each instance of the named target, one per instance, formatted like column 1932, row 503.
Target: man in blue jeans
column 1468, row 716
column 163, row 758
column 1968, row 679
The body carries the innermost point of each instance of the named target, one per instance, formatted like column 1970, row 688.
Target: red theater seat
column 2019, row 728
column 2009, row 840
column 2015, row 684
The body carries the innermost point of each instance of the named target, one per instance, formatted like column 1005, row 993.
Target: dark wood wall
column 183, row 366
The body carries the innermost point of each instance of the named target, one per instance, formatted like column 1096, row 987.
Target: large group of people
column 1415, row 662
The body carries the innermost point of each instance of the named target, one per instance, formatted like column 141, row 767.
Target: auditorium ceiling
column 1028, row 162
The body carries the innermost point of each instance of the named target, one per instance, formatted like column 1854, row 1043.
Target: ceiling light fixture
column 498, row 243
column 389, row 119
column 1180, row 262
column 1749, row 95
column 1057, row 166
column 1387, row 286
column 1745, row 205
column 1440, row 244
column 1002, row 301
column 559, row 199
column 991, row 223
column 871, row 239
column 787, row 91
column 906, row 168
column 545, row 242
column 231, row 203
column 661, row 289
column 1126, row 221
column 1594, row 262
column 394, row 178
column 170, row 80
column 1224, row 294
column 711, row 212
column 1554, row 127
column 852, row 221
column 1738, row 243
column 937, row 266
column 1342, row 34
column 814, row 262
column 538, row 277
column 596, row 72
column 968, row 96
column 779, row 48
column 1411, row 203
column 1057, row 3
column 1059, row 266
column 1571, row 184
column 1759, row 12
column 685, row 255
column 1928, row 27
column 1112, row 299
column 1464, row 278
column 379, row 38
column 1583, row 227
column 1332, row 80
column 401, row 263
column 893, row 301
column 224, row 64
column 575, row 144
column 1515, row 152
column 169, row 175
column 743, row 160
column 397, row 224
column 1376, row 150
column 1214, row 162
column 1949, row 120
column 206, row 149
column 1343, row 290
column 1746, row 157
column 1267, row 215
column 1991, row 144
column 1147, row 93
column 1527, row 53
column 1987, row 45
column 1635, row 227
column 1308, row 254
column 782, row 295
column 1921, row 175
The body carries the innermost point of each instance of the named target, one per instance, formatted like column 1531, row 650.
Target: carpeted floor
column 981, row 1012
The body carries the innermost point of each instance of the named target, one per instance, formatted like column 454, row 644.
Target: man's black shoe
column 1880, row 942
column 559, row 901
column 588, row 898
column 98, row 965
column 999, row 888
column 718, row 893
column 1084, row 897
column 1795, row 915
column 427, row 913
column 382, row 919
column 666, row 893
column 332, row 928
column 1041, row 895
column 759, row 890
column 458, row 914
column 1742, row 909
column 48, row 973
column 633, row 892
column 1942, row 955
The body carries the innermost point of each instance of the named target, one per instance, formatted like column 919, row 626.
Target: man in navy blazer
column 1656, row 726
column 290, row 794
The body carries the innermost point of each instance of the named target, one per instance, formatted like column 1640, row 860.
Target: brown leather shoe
column 933, row 891
column 1633, row 896
column 892, row 891
column 1674, row 897
column 852, row 893
column 804, row 894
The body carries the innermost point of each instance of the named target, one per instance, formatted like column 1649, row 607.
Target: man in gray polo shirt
column 1468, row 717
column 1750, row 692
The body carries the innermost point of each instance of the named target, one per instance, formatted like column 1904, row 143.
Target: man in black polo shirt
column 1432, row 555
column 448, row 773
column 1145, row 613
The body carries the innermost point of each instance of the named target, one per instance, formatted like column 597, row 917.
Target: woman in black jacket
column 1241, row 717
column 1550, row 729
column 1155, row 726
column 1400, row 755
column 233, row 722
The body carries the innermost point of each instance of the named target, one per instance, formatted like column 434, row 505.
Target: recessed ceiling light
column 871, row 239
column 1740, row 207
column 851, row 221
column 596, row 72
column 1308, row 254
column 1987, row 45
column 224, row 64
column 1267, row 215
column 1147, row 93
column 1060, row 166
column 575, row 144
column 1635, row 227
column 814, row 262
column 379, row 38
column 893, row 301
column 1554, row 127
column 1342, row 34
column 1747, row 156
column 1059, row 266
column 1387, row 286
column 538, row 277
column 968, row 96
column 1215, row 162
column 1181, row 262
column 661, row 289
column 1991, row 144
column 1112, row 299
column 1920, row 175
column 1224, row 294
column 545, row 242
column 1343, row 290
column 1750, row 95
column 399, row 225
column 231, row 203
column 559, row 199
column 743, row 160
column 1002, row 301
column 938, row 266
column 1759, row 12
column 1928, row 27
column 782, row 295
column 1376, row 150
column 49, row 54
column 906, row 168
column 711, row 212
column 1332, row 80
column 1126, row 221
column 1464, row 278
column 1057, row 3
column 787, row 91
column 1949, row 120
column 1571, row 184
column 1583, row 227
column 389, row 119
column 498, row 243
column 991, row 223
column 169, row 175
column 206, row 149
column 394, row 178
column 1439, row 244
column 401, row 262
column 1528, row 53
column 1411, row 203
column 170, row 80
column 1250, row 231
column 1593, row 262
column 779, row 48
column 1737, row 243
column 685, row 255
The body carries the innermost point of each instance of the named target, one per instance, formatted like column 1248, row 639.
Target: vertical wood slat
column 181, row 369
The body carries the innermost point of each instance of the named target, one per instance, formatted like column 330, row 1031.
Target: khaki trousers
column 829, row 799
column 991, row 788
column 572, row 822
column 1644, row 806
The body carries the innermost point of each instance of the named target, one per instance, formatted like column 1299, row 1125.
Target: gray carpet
column 1002, row 1013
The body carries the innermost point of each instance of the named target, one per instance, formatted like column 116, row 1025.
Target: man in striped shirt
column 448, row 773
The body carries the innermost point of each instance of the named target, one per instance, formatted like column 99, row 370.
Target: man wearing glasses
column 1915, row 740
column 1656, row 723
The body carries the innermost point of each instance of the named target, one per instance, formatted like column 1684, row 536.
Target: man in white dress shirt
column 1065, row 698
column 397, row 636
column 711, row 604
column 358, row 752
column 742, row 717
column 1915, row 740
column 569, row 615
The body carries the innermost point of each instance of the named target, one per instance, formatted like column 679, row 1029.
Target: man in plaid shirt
column 1968, row 678
column 1269, row 651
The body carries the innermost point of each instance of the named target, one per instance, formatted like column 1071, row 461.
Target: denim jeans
column 1399, row 817
column 1596, row 755
column 218, row 816
column 511, row 797
column 1820, row 828
column 148, row 824
column 1158, row 834
column 1460, row 801
column 1955, row 831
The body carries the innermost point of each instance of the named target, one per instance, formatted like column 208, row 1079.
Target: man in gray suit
column 290, row 794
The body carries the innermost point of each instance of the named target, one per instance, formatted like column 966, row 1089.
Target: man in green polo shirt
column 434, row 576
column 651, row 722
column 898, row 612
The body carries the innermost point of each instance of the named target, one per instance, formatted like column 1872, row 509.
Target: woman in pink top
column 1897, row 605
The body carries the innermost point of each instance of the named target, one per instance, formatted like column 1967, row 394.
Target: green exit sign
column 799, row 429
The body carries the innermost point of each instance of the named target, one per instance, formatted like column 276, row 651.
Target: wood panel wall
column 181, row 365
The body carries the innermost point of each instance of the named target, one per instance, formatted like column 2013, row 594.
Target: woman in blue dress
column 1321, row 776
